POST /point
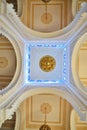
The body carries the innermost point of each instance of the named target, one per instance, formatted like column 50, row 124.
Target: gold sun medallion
column 3, row 62
column 46, row 18
column 47, row 63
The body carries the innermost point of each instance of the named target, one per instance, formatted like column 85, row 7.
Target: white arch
column 20, row 7
column 80, row 41
column 28, row 93
column 31, row 34
column 74, row 7
column 73, row 120
column 18, row 118
column 18, row 60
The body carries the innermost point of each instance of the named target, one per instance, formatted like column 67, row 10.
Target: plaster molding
column 20, row 36
column 10, row 17
column 73, row 120
column 74, row 78
column 63, row 34
column 31, row 34
column 18, row 119
column 20, row 7
column 18, row 60
column 3, row 6
column 28, row 93
column 74, row 57
column 2, row 115
column 74, row 7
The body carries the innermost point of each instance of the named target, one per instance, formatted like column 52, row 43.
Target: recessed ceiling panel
column 46, row 18
column 46, row 63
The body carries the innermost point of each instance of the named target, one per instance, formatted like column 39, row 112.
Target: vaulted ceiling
column 8, row 62
column 59, row 15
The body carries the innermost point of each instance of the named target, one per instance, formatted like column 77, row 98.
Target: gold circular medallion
column 3, row 62
column 47, row 63
column 46, row 18
column 45, row 108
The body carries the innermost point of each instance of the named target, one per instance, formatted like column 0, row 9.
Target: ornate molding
column 74, row 57
column 3, row 6
column 20, row 7
column 8, row 112
column 18, row 60
column 72, row 121
column 21, row 36
column 31, row 34
column 18, row 118
column 74, row 7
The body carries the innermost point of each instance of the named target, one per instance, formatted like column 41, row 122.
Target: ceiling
column 33, row 19
column 47, row 19
column 32, row 109
column 57, row 112
column 7, row 62
column 57, row 15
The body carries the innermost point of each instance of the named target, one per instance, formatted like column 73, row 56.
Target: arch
column 35, row 34
column 76, row 78
column 18, row 60
column 18, row 116
column 75, row 122
column 64, row 94
column 20, row 7
column 74, row 7
column 62, row 32
column 72, row 120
